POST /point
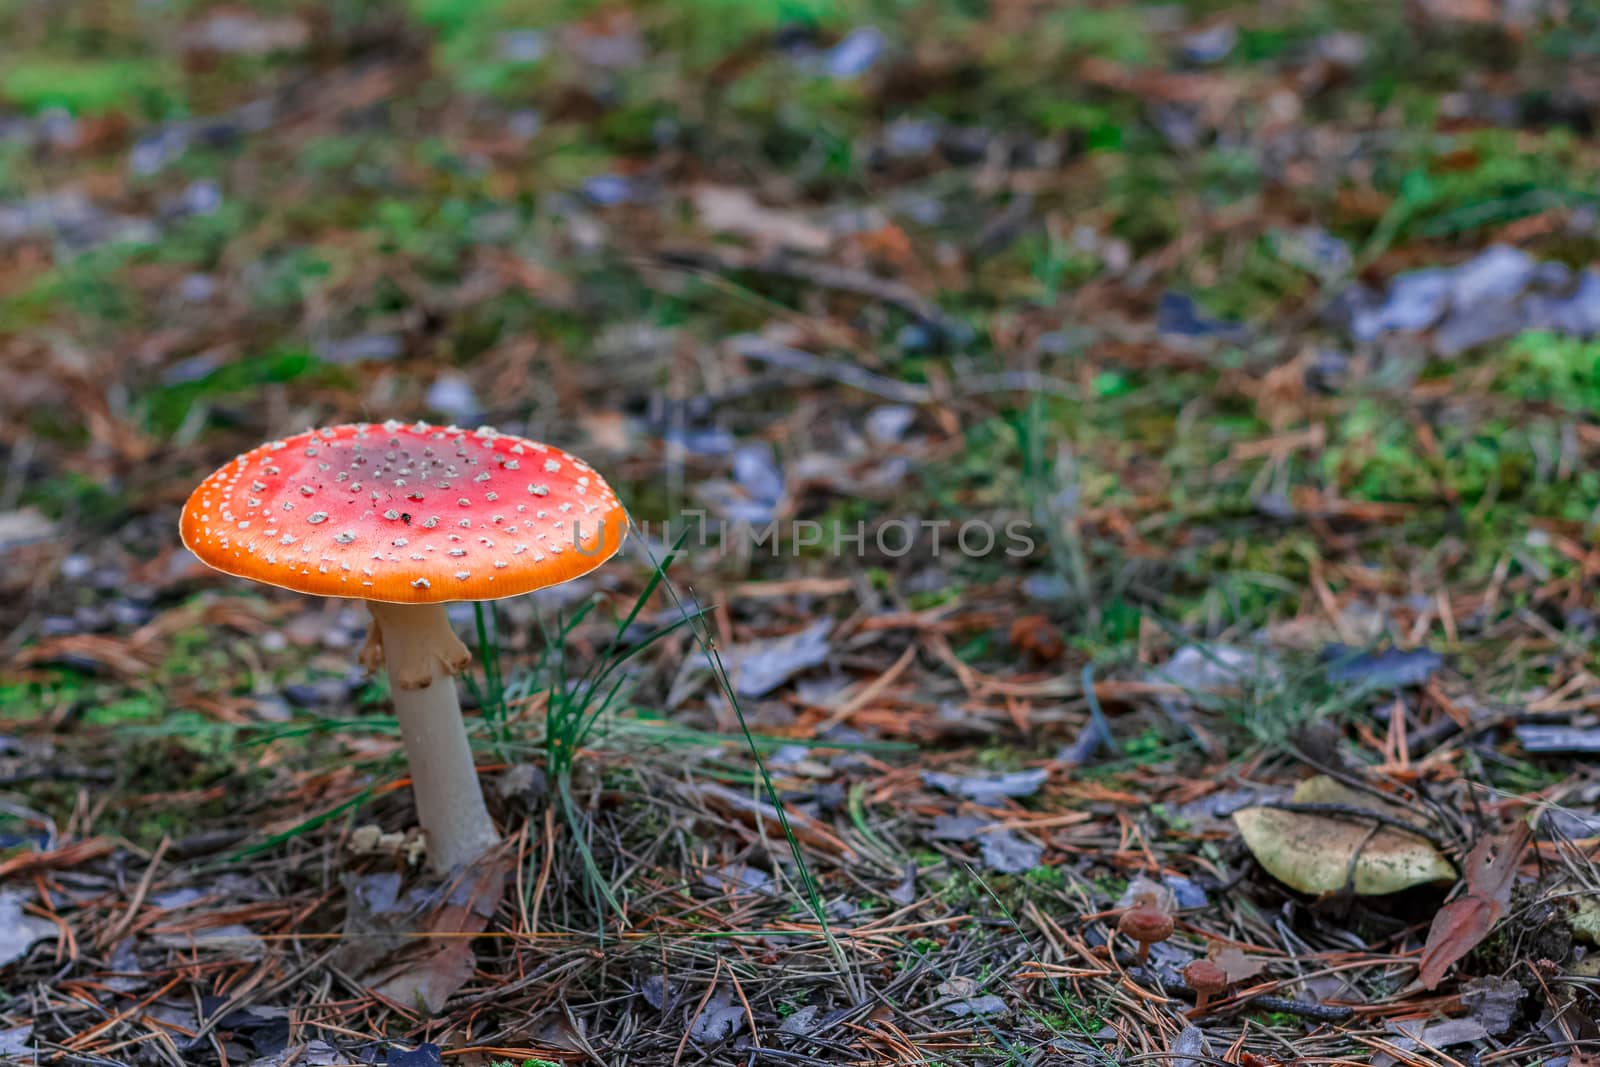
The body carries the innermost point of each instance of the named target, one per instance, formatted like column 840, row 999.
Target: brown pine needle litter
column 1079, row 461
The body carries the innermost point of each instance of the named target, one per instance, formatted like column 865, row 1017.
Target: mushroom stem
column 423, row 654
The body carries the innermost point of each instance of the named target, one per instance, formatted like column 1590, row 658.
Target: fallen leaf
column 987, row 788
column 421, row 1056
column 1455, row 931
column 1321, row 789
column 720, row 1019
column 1190, row 1048
column 1391, row 668
column 24, row 527
column 240, row 32
column 727, row 210
column 1320, row 854
column 1463, row 923
column 1493, row 1002
column 1007, row 853
column 1585, row 919
column 988, row 1004
column 408, row 948
column 18, row 931
column 1238, row 965
column 1493, row 878
column 1035, row 635
column 756, row 668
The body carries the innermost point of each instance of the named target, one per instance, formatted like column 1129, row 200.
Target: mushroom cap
column 415, row 514
column 1204, row 976
column 1146, row 924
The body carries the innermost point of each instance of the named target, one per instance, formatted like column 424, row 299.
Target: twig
column 1323, row 1013
column 116, row 929
column 824, row 275
column 1351, row 811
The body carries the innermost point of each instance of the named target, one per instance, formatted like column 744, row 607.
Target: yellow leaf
column 1316, row 854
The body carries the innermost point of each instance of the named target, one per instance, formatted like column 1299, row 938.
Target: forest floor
column 1141, row 459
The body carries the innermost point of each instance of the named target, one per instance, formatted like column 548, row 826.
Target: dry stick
column 241, row 999
column 1326, row 1013
column 869, row 692
column 1351, row 811
column 116, row 929
column 823, row 275
column 545, row 864
column 755, row 1035
column 65, row 938
column 710, row 986
column 518, row 887
column 83, row 1040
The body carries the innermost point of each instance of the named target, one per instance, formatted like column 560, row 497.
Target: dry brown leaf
column 417, row 950
column 1239, row 965
column 1462, row 924
column 1456, row 930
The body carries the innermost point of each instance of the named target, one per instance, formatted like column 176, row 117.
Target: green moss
column 137, row 708
column 87, row 86
column 37, row 699
column 166, row 408
column 1554, row 369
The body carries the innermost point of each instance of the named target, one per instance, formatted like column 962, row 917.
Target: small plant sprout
column 1147, row 924
column 409, row 518
column 1207, row 979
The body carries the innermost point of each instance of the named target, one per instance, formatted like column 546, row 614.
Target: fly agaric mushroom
column 1147, row 924
column 408, row 518
column 1207, row 979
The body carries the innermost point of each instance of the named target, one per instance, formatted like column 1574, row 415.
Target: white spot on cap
column 345, row 537
column 391, row 514
column 316, row 517
column 420, row 583
column 462, row 576
column 539, row 490
column 551, row 465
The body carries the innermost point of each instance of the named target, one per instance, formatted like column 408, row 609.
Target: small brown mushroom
column 1146, row 924
column 1207, row 979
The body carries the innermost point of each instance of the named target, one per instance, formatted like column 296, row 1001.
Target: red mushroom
column 408, row 518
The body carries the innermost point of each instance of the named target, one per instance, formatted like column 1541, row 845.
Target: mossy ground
column 506, row 194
